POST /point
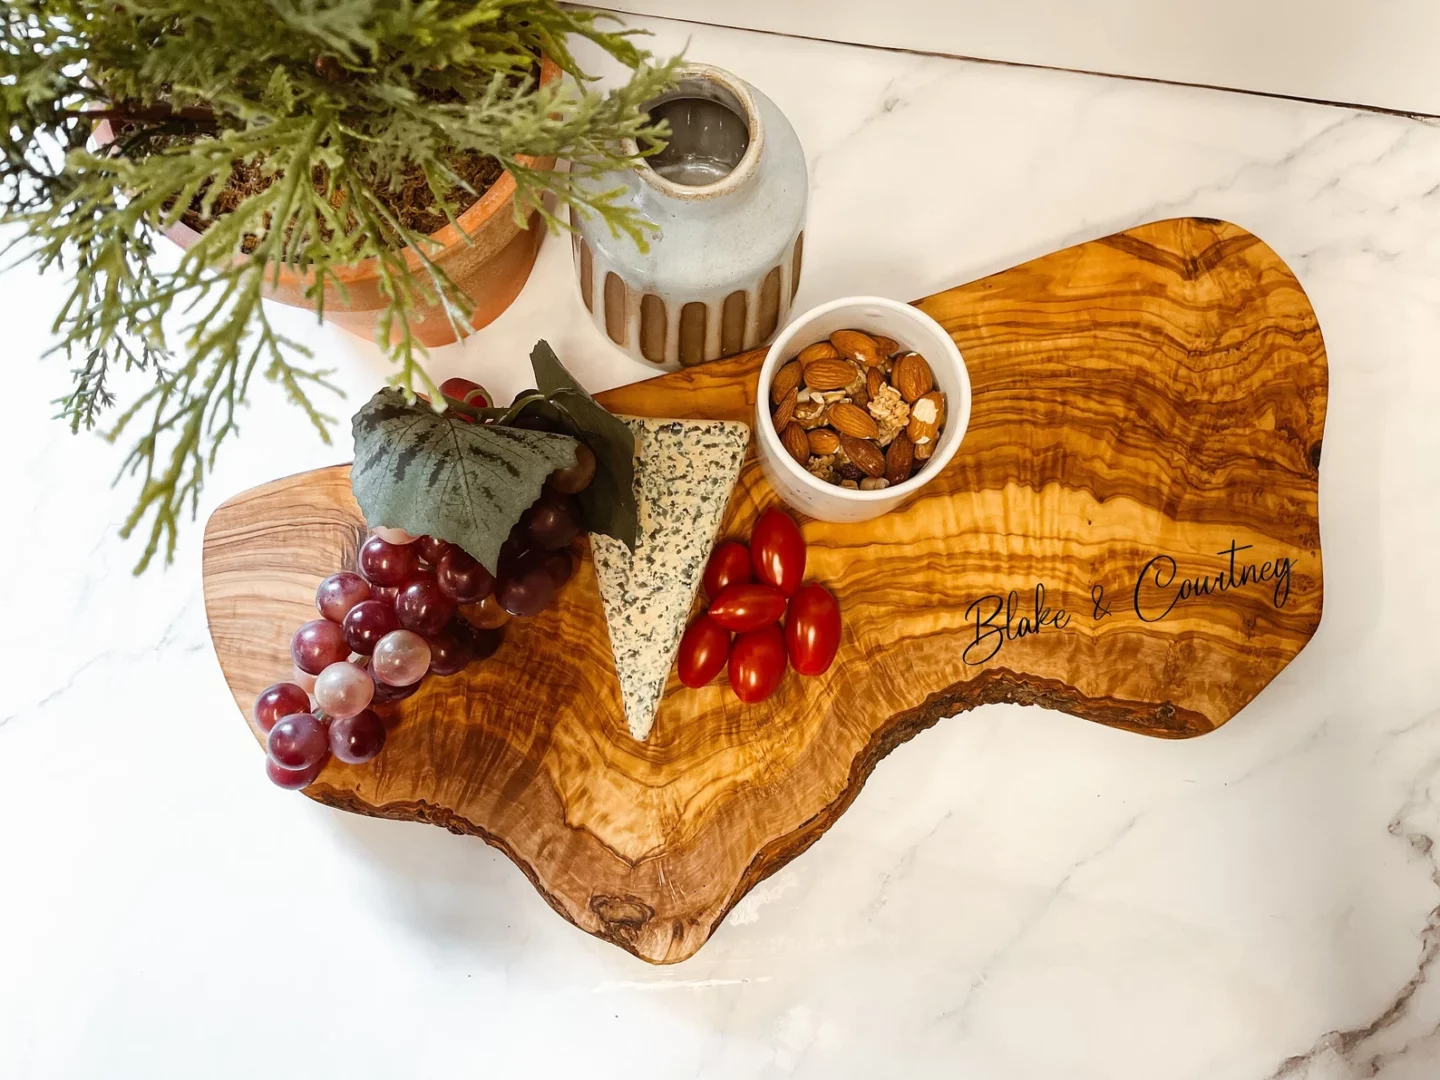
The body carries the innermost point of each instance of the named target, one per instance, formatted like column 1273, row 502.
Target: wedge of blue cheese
column 684, row 473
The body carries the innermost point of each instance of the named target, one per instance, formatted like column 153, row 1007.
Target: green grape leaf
column 438, row 474
column 609, row 501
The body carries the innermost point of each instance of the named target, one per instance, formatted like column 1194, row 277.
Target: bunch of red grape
column 416, row 606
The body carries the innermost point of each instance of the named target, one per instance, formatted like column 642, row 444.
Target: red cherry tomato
column 729, row 565
column 703, row 651
column 757, row 664
column 812, row 629
column 777, row 551
column 747, row 607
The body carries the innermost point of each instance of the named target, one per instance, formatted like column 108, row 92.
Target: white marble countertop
column 1016, row 894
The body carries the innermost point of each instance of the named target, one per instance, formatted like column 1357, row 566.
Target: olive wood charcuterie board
column 1129, row 533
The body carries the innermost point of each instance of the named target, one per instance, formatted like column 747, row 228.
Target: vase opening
column 714, row 134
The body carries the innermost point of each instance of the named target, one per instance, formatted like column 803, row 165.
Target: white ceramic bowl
column 914, row 330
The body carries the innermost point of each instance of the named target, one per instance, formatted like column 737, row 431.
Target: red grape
column 393, row 536
column 575, row 478
column 340, row 592
column 487, row 614
column 527, row 589
column 385, row 693
column 343, row 689
column 559, row 565
column 386, row 594
column 533, row 423
column 292, row 779
column 387, row 564
column 401, row 658
column 356, row 739
column 458, row 388
column 302, row 679
column 449, row 650
column 423, row 607
column 367, row 623
column 553, row 521
column 483, row 643
column 432, row 549
column 279, row 700
column 297, row 741
column 317, row 645
column 462, row 578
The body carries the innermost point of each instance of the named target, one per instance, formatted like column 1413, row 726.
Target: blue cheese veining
column 684, row 473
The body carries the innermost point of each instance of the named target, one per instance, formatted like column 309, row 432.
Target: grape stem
column 464, row 409
column 493, row 412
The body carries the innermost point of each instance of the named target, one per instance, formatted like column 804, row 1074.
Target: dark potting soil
column 411, row 202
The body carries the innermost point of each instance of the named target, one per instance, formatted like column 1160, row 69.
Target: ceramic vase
column 728, row 196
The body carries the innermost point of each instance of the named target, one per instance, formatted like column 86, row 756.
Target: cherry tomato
column 757, row 664
column 747, row 607
column 703, row 651
column 812, row 629
column 729, row 565
column 777, row 551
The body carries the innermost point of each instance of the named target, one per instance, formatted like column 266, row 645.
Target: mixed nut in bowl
column 861, row 402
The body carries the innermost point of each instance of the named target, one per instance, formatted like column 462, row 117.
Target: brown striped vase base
column 1129, row 533
column 720, row 270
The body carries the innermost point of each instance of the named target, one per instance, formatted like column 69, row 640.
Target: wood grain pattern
column 1160, row 392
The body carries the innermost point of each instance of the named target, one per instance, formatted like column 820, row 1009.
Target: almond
column 785, row 411
column 823, row 441
column 899, row 459
column 797, row 442
column 926, row 416
column 830, row 374
column 850, row 419
column 821, row 350
column 857, row 346
column 785, row 380
column 912, row 377
column 865, row 454
column 887, row 345
column 924, row 450
column 874, row 380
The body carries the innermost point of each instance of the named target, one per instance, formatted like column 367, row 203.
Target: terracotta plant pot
column 492, row 267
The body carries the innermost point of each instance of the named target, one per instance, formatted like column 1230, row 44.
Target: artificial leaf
column 535, row 405
column 609, row 501
column 438, row 474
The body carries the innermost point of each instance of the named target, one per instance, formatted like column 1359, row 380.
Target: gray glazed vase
column 728, row 194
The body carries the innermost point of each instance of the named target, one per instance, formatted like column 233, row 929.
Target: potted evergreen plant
column 387, row 163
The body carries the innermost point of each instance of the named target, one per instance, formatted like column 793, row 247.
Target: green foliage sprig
column 337, row 103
